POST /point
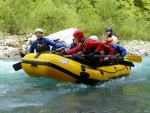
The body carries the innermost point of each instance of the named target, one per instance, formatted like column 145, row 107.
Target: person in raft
column 88, row 48
column 110, row 34
column 72, row 45
column 55, row 49
column 43, row 44
column 119, row 50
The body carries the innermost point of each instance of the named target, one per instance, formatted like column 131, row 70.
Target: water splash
column 20, row 93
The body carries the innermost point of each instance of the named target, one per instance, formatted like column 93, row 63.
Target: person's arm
column 52, row 49
column 110, row 50
column 69, row 47
column 122, row 50
column 32, row 47
column 115, row 39
column 54, row 44
column 94, row 44
column 74, row 50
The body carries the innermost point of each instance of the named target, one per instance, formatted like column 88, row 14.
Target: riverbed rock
column 11, row 46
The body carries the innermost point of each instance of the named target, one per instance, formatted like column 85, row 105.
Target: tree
column 144, row 8
column 52, row 18
column 14, row 14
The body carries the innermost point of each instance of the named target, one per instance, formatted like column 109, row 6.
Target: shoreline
column 137, row 47
column 12, row 46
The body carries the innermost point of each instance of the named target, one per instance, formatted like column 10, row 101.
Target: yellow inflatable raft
column 66, row 70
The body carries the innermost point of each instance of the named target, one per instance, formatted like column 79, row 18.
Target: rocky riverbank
column 13, row 46
column 137, row 47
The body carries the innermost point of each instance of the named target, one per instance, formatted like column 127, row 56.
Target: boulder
column 12, row 52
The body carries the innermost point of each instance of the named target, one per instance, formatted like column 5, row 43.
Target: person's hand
column 60, row 49
column 120, row 58
column 94, row 53
column 65, row 46
column 63, row 53
column 106, row 58
column 91, row 55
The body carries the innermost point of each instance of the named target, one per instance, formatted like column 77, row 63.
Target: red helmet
column 78, row 34
column 108, row 40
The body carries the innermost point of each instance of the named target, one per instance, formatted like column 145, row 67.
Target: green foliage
column 13, row 14
column 87, row 16
column 128, row 18
column 51, row 18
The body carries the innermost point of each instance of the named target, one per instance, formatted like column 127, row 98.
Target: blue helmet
column 109, row 29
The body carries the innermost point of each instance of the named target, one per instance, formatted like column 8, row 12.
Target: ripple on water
column 20, row 93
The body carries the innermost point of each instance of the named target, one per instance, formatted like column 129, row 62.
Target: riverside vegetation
column 128, row 18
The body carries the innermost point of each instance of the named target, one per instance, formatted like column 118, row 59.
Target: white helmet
column 55, row 38
column 39, row 30
column 93, row 37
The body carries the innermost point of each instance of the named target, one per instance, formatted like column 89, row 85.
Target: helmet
column 39, row 30
column 108, row 40
column 93, row 37
column 109, row 29
column 56, row 38
column 78, row 34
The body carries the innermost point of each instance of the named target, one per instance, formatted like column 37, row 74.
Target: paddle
column 17, row 66
column 126, row 63
column 131, row 58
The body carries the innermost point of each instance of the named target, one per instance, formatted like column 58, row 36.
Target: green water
column 22, row 94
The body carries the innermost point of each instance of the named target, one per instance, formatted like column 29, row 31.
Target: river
column 20, row 93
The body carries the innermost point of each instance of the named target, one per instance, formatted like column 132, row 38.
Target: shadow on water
column 22, row 94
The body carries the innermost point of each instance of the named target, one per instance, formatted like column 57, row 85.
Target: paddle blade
column 134, row 58
column 17, row 66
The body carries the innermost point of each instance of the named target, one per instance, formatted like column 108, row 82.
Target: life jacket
column 92, row 50
column 87, row 51
column 42, row 47
column 115, row 39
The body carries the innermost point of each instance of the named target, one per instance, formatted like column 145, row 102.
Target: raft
column 63, row 69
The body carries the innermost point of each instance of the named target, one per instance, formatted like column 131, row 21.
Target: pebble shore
column 11, row 46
